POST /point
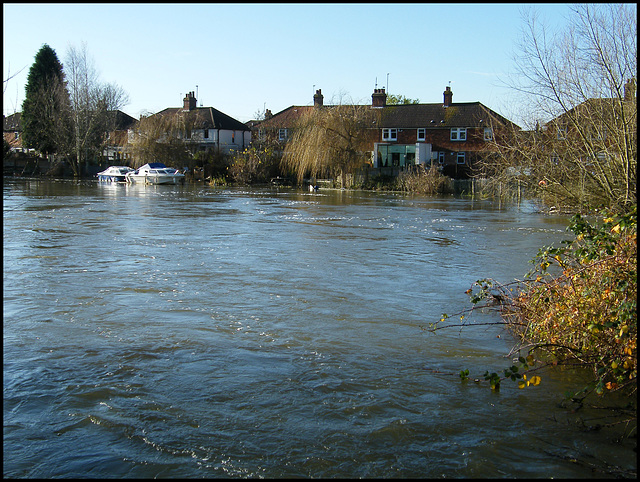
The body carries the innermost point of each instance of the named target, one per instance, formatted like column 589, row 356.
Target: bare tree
column 91, row 102
column 159, row 137
column 329, row 140
column 580, row 148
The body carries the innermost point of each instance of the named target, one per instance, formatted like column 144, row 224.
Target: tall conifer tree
column 45, row 110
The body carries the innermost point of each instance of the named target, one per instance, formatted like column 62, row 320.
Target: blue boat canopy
column 156, row 165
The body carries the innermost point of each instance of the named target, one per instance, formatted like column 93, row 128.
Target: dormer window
column 389, row 134
column 459, row 134
column 488, row 134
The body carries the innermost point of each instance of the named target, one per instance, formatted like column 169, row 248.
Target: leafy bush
column 587, row 311
column 577, row 306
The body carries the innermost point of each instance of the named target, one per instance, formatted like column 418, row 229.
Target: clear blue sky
column 244, row 57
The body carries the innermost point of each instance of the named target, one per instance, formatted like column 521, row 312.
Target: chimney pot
column 378, row 98
column 318, row 98
column 189, row 102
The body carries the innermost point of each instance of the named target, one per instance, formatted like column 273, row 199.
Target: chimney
column 318, row 98
column 630, row 90
column 378, row 98
column 189, row 102
column 448, row 96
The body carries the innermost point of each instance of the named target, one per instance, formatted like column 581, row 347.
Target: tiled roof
column 11, row 123
column 464, row 114
column 123, row 121
column 207, row 118
column 286, row 117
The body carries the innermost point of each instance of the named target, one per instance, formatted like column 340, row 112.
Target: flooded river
column 189, row 331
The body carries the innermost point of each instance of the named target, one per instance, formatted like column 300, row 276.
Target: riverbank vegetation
column 578, row 306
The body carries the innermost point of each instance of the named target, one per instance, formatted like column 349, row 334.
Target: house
column 12, row 132
column 206, row 128
column 452, row 136
column 595, row 128
column 117, row 137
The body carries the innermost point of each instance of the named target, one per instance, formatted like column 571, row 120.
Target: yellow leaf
column 521, row 385
column 616, row 228
column 535, row 380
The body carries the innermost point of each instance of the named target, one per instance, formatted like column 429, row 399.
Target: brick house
column 452, row 136
column 206, row 128
column 12, row 131
column 596, row 128
column 116, row 139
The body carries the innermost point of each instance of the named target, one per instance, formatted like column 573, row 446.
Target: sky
column 244, row 58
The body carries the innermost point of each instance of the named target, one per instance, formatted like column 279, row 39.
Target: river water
column 191, row 331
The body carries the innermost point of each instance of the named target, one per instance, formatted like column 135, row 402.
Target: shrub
column 422, row 181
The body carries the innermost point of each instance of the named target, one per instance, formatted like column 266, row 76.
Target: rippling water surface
column 186, row 331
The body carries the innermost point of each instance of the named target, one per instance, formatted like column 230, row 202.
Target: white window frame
column 488, row 134
column 389, row 134
column 461, row 155
column 283, row 134
column 422, row 133
column 441, row 157
column 458, row 134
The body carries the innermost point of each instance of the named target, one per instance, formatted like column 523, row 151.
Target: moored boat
column 155, row 173
column 114, row 174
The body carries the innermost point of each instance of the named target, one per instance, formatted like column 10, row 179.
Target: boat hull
column 155, row 173
column 111, row 178
column 114, row 174
column 156, row 179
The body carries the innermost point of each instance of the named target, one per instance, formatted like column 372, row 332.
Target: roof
column 287, row 117
column 600, row 106
column 123, row 121
column 11, row 123
column 207, row 118
column 462, row 114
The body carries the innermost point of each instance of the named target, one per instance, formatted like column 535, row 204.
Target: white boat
column 114, row 174
column 155, row 173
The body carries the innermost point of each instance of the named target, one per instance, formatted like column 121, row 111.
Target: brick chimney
column 630, row 90
column 189, row 102
column 318, row 98
column 267, row 114
column 448, row 96
column 378, row 98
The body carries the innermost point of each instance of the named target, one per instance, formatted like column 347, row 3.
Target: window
column 283, row 134
column 389, row 134
column 459, row 134
column 440, row 157
column 206, row 133
column 422, row 134
column 488, row 134
column 460, row 158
